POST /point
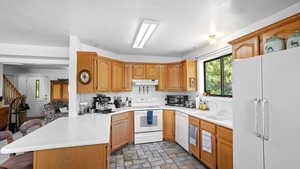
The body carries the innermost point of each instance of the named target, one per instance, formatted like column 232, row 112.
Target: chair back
column 29, row 124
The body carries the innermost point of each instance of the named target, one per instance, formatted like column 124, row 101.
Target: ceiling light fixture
column 212, row 39
column 145, row 32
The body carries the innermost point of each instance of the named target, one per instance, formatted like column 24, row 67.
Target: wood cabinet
column 195, row 148
column 119, row 131
column 224, row 148
column 103, row 75
column 252, row 44
column 85, row 61
column 189, row 75
column 59, row 90
column 4, row 115
column 127, row 77
column 162, row 82
column 79, row 157
column 169, row 125
column 131, row 127
column 139, row 71
column 152, row 71
column 209, row 158
column 246, row 49
column 117, row 76
column 174, row 76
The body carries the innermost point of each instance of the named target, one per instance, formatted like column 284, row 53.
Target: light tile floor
column 159, row 155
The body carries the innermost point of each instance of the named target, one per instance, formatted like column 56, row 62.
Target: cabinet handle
column 266, row 118
column 257, row 120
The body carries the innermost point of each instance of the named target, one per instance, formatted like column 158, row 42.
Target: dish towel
column 150, row 117
column 193, row 134
column 206, row 141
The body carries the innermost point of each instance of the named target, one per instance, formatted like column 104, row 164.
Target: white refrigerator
column 266, row 105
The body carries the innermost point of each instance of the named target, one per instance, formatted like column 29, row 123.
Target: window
column 217, row 76
column 37, row 89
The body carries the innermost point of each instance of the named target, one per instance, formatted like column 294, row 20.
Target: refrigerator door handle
column 257, row 132
column 266, row 119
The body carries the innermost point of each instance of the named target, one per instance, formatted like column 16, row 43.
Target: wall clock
column 84, row 76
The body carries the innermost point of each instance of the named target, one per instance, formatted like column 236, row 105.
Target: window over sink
column 218, row 76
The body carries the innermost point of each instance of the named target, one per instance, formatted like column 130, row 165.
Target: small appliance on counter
column 177, row 100
column 102, row 104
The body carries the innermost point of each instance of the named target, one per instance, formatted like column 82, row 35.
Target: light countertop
column 91, row 129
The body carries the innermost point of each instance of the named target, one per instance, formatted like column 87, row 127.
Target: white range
column 144, row 132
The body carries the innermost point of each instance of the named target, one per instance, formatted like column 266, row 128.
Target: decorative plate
column 84, row 76
column 294, row 40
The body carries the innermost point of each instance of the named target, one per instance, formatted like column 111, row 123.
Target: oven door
column 140, row 121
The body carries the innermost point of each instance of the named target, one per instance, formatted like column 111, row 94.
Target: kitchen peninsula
column 84, row 140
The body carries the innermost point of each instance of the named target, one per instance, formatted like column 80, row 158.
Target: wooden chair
column 22, row 161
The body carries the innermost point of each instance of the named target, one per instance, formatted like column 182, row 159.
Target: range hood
column 145, row 82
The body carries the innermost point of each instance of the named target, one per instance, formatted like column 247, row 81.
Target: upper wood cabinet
column 85, row 62
column 189, row 77
column 117, row 76
column 162, row 82
column 169, row 125
column 253, row 44
column 224, row 148
column 103, row 75
column 174, row 76
column 209, row 158
column 152, row 71
column 59, row 90
column 127, row 77
column 139, row 71
column 246, row 49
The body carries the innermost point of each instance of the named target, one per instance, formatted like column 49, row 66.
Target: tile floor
column 159, row 155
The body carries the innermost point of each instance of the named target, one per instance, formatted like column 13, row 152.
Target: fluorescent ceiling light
column 146, row 30
column 13, row 63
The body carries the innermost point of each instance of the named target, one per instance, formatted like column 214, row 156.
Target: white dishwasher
column 182, row 130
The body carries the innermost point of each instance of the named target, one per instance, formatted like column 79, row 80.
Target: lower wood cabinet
column 119, row 131
column 169, row 125
column 81, row 157
column 194, row 146
column 224, row 148
column 209, row 158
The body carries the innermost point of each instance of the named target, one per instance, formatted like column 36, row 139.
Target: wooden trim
column 285, row 21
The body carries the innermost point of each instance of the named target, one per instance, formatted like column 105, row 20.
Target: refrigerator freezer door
column 247, row 147
column 281, row 84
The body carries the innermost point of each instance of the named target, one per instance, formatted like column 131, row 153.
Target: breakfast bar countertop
column 91, row 129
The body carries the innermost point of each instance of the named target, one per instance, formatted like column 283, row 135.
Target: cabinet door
column 169, row 125
column 56, row 88
column 162, row 83
column 189, row 77
column 139, row 71
column 127, row 77
column 131, row 127
column 85, row 61
column 119, row 131
column 209, row 158
column 194, row 149
column 103, row 74
column 152, row 72
column 117, row 76
column 246, row 49
column 65, row 91
column 174, row 74
column 224, row 148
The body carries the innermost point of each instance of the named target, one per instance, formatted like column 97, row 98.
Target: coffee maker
column 101, row 104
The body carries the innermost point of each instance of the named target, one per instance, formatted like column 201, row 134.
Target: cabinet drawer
column 195, row 121
column 207, row 126
column 118, row 117
column 224, row 133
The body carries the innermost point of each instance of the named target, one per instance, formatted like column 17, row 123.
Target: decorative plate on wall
column 84, row 76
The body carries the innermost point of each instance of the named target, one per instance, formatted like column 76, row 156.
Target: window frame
column 222, row 75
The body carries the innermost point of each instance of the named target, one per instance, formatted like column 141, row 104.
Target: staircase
column 10, row 92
